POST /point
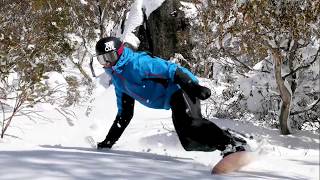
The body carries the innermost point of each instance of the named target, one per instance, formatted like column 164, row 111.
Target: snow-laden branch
column 309, row 107
column 303, row 67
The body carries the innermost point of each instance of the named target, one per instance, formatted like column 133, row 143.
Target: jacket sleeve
column 123, row 118
column 154, row 67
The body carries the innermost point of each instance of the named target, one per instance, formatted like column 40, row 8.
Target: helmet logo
column 109, row 46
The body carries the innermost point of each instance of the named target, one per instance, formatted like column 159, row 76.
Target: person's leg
column 195, row 132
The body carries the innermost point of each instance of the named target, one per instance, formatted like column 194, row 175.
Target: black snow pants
column 195, row 132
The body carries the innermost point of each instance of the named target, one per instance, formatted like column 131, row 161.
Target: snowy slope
column 56, row 147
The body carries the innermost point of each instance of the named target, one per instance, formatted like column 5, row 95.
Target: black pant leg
column 195, row 132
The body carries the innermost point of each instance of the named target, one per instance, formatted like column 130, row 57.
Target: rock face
column 166, row 32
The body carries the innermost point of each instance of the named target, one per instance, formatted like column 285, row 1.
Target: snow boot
column 239, row 143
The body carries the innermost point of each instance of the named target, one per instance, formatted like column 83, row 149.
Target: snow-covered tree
column 252, row 30
column 31, row 44
column 38, row 37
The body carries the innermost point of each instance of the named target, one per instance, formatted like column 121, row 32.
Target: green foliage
column 35, row 39
column 73, row 92
column 252, row 23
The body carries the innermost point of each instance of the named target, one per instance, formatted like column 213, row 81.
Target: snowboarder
column 160, row 84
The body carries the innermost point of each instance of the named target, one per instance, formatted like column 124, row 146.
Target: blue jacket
column 149, row 80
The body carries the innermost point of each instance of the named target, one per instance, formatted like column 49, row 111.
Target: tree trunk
column 100, row 19
column 285, row 94
column 293, row 78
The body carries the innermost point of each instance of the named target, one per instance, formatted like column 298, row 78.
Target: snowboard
column 236, row 161
column 233, row 162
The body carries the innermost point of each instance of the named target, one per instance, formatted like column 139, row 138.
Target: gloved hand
column 201, row 92
column 192, row 88
column 104, row 145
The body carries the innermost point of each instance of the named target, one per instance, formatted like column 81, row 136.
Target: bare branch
column 303, row 67
column 236, row 59
column 310, row 107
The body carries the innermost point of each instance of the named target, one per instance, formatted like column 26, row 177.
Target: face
column 108, row 65
column 108, row 59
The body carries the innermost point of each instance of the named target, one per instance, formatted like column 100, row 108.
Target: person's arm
column 191, row 87
column 155, row 68
column 125, row 114
column 161, row 69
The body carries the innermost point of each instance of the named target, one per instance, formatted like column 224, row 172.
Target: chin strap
column 120, row 50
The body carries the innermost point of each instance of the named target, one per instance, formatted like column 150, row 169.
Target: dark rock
column 166, row 32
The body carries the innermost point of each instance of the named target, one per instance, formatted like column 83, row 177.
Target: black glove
column 192, row 88
column 202, row 92
column 104, row 144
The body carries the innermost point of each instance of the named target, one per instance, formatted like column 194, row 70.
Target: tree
column 36, row 37
column 33, row 42
column 91, row 20
column 248, row 31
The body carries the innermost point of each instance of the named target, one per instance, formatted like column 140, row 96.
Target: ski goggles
column 107, row 58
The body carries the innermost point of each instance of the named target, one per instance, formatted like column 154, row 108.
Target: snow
column 83, row 2
column 189, row 9
column 56, row 146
